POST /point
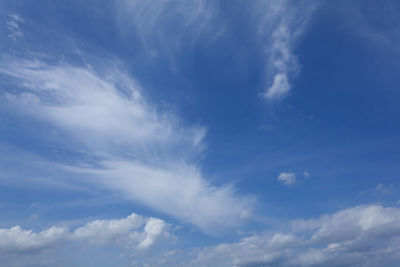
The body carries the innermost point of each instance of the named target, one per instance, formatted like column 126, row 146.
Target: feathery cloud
column 135, row 150
column 13, row 26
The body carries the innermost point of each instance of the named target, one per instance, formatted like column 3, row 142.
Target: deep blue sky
column 241, row 132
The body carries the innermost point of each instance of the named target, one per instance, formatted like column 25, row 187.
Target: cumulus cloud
column 287, row 178
column 17, row 240
column 13, row 26
column 153, row 229
column 358, row 236
column 106, row 231
column 138, row 151
column 134, row 231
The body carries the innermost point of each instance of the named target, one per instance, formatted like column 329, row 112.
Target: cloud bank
column 359, row 236
column 134, row 231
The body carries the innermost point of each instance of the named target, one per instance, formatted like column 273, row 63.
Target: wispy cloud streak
column 281, row 24
column 13, row 26
column 140, row 152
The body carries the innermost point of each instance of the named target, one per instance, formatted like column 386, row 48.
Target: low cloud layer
column 134, row 231
column 358, row 236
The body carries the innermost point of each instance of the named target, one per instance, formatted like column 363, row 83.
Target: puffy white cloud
column 134, row 231
column 17, row 240
column 352, row 224
column 358, row 236
column 287, row 178
column 257, row 249
column 153, row 230
column 107, row 231
column 136, row 150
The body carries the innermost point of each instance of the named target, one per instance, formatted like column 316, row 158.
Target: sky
column 199, row 133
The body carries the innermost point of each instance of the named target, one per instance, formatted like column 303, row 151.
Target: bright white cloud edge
column 135, row 231
column 367, row 235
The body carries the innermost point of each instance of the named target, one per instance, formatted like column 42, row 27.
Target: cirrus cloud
column 145, row 154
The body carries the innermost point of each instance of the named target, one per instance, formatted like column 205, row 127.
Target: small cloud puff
column 287, row 178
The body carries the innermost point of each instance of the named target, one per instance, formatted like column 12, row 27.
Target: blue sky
column 199, row 133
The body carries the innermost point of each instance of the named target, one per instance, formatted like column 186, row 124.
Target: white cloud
column 138, row 151
column 134, row 231
column 177, row 189
column 153, row 230
column 281, row 26
column 13, row 26
column 86, row 104
column 17, row 240
column 107, row 231
column 165, row 27
column 359, row 236
column 306, row 174
column 279, row 87
column 261, row 249
column 287, row 178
